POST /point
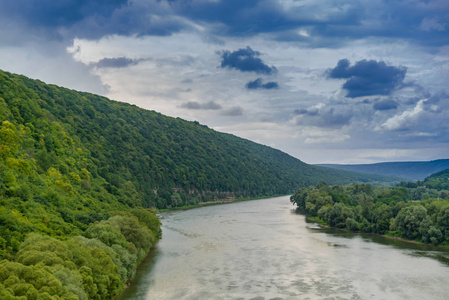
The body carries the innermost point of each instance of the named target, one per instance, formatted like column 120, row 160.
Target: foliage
column 439, row 181
column 399, row 210
column 53, row 191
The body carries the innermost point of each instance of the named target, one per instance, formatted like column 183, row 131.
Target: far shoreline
column 210, row 203
column 395, row 238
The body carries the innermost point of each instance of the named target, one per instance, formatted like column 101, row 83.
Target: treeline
column 416, row 211
column 161, row 161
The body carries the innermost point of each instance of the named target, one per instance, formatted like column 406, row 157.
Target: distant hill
column 413, row 171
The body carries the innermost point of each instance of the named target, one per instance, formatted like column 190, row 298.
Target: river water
column 262, row 249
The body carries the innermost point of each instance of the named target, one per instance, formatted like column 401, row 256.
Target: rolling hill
column 414, row 170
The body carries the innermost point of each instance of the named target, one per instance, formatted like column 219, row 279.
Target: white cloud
column 405, row 119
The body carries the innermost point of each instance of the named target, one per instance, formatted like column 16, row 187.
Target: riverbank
column 322, row 224
column 395, row 238
column 209, row 203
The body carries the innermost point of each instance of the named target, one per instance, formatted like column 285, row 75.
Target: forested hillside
column 156, row 160
column 414, row 170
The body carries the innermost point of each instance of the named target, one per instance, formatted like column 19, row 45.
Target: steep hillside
column 155, row 160
column 407, row 170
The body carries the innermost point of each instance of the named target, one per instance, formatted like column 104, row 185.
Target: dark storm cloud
column 252, row 17
column 92, row 19
column 65, row 13
column 368, row 77
column 117, row 62
column 329, row 22
column 205, row 106
column 387, row 104
column 258, row 84
column 236, row 17
column 245, row 60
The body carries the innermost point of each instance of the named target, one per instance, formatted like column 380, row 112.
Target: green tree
column 409, row 220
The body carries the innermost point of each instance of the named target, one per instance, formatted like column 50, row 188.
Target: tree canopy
column 416, row 211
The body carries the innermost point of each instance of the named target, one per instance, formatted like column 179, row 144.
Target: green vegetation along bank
column 415, row 211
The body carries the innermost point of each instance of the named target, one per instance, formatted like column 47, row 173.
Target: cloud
column 433, row 24
column 93, row 19
column 322, row 116
column 387, row 104
column 368, row 77
column 117, row 62
column 321, row 22
column 312, row 23
column 63, row 13
column 245, row 60
column 258, row 84
column 205, row 106
column 406, row 119
column 233, row 111
column 312, row 111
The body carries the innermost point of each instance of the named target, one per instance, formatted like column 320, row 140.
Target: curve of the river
column 262, row 249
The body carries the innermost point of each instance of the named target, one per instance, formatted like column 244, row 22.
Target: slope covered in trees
column 63, row 233
column 414, row 170
column 416, row 211
column 160, row 161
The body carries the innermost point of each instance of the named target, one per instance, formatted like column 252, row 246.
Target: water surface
column 262, row 249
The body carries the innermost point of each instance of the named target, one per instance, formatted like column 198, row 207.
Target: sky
column 326, row 81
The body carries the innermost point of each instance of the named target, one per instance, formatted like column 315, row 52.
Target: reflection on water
column 263, row 250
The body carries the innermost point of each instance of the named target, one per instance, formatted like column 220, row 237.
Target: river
column 262, row 249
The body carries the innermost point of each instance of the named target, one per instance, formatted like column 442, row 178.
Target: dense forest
column 162, row 161
column 79, row 172
column 63, row 233
column 411, row 170
column 413, row 210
